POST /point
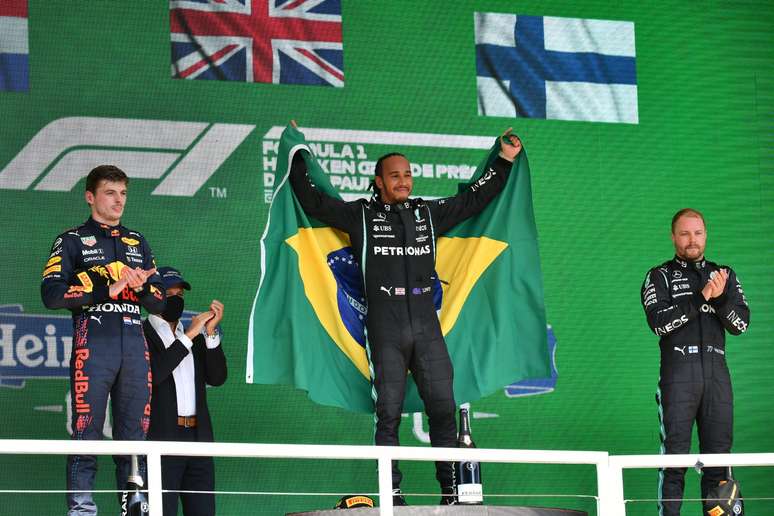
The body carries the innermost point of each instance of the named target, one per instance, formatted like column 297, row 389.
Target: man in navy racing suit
column 394, row 240
column 691, row 303
column 103, row 273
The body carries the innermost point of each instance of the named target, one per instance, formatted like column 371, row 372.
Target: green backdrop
column 603, row 192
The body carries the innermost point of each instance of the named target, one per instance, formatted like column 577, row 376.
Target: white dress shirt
column 184, row 372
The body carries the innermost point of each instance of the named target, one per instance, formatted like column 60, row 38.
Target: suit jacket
column 210, row 368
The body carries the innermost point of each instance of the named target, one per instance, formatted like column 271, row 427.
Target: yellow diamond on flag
column 460, row 263
column 313, row 245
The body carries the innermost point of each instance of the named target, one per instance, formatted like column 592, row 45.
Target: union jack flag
column 274, row 41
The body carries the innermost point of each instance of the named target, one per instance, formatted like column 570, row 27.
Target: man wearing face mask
column 183, row 362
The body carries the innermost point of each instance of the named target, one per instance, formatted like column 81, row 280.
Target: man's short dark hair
column 379, row 168
column 686, row 212
column 380, row 162
column 105, row 172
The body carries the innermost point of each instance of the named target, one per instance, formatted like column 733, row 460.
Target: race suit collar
column 108, row 231
column 408, row 204
column 699, row 264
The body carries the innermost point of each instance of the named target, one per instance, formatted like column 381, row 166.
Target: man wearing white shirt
column 183, row 361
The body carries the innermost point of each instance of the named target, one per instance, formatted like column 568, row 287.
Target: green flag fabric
column 306, row 325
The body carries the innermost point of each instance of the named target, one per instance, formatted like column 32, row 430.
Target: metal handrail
column 609, row 468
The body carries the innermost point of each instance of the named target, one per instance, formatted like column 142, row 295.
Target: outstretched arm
column 449, row 212
column 317, row 204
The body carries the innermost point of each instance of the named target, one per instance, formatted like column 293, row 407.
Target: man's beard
column 692, row 253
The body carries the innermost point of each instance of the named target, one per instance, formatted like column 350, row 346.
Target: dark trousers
column 105, row 365
column 431, row 368
column 188, row 474
column 710, row 404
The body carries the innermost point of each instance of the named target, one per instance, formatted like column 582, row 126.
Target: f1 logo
column 184, row 154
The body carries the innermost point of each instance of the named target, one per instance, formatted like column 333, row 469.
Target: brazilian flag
column 308, row 316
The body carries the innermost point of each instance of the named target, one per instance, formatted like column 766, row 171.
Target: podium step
column 450, row 510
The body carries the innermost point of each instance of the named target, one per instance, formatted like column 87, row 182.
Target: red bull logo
column 128, row 295
column 81, row 380
column 147, row 411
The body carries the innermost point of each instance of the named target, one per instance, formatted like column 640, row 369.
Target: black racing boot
column 448, row 496
column 397, row 498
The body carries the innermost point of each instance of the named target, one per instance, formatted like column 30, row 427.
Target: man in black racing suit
column 394, row 241
column 103, row 273
column 690, row 303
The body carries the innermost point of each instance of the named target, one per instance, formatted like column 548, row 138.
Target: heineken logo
column 38, row 345
column 33, row 346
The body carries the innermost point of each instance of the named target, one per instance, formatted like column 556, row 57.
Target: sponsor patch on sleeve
column 51, row 269
column 53, row 260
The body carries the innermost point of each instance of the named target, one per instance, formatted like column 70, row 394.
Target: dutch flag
column 14, row 49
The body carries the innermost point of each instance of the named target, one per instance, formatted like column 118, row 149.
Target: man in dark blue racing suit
column 103, row 273
column 394, row 240
column 690, row 303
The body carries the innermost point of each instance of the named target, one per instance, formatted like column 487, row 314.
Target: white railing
column 617, row 463
column 610, row 500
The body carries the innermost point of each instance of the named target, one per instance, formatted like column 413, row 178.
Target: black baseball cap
column 171, row 277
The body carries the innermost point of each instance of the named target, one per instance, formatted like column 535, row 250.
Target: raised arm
column 317, row 204
column 449, row 212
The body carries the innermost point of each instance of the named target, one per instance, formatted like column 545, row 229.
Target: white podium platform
column 450, row 510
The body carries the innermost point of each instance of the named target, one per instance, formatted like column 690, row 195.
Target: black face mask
column 174, row 308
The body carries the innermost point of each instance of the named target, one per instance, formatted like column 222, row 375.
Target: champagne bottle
column 469, row 488
column 133, row 501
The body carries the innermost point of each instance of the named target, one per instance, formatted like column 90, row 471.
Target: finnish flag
column 556, row 68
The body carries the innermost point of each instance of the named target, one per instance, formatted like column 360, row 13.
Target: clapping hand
column 216, row 308
column 132, row 278
column 197, row 323
column 716, row 285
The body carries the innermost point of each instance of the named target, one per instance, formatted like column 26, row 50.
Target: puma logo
column 681, row 350
column 98, row 319
column 388, row 290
